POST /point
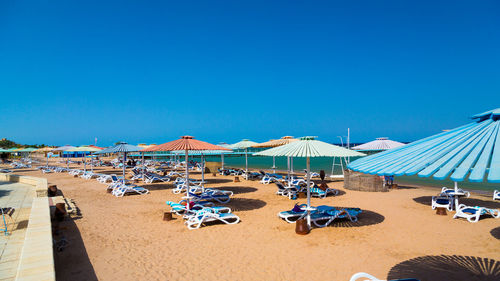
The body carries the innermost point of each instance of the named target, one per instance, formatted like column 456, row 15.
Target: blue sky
column 151, row 71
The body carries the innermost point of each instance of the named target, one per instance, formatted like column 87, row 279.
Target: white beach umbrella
column 243, row 144
column 378, row 144
column 309, row 147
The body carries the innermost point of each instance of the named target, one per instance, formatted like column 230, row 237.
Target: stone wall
column 363, row 182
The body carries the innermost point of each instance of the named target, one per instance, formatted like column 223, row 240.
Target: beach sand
column 398, row 235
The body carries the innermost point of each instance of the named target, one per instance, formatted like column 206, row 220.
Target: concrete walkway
column 20, row 197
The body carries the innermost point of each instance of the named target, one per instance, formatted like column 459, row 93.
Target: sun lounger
column 496, row 195
column 6, row 212
column 329, row 215
column 365, row 276
column 451, row 192
column 296, row 213
column 297, row 181
column 472, row 214
column 182, row 210
column 208, row 196
column 318, row 192
column 47, row 170
column 151, row 177
column 209, row 215
column 122, row 189
column 268, row 178
column 288, row 191
column 442, row 201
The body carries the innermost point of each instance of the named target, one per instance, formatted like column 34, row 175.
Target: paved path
column 20, row 197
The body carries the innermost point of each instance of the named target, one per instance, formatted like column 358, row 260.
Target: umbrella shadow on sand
column 245, row 204
column 366, row 218
column 162, row 186
column 427, row 200
column 444, row 268
column 495, row 232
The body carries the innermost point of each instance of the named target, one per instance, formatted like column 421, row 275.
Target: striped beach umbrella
column 274, row 143
column 378, row 144
column 123, row 148
column 309, row 147
column 186, row 144
column 469, row 152
column 243, row 144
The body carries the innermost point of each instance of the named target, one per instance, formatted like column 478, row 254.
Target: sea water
column 326, row 163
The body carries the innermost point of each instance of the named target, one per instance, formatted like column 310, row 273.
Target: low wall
column 37, row 257
column 363, row 182
column 37, row 260
column 39, row 184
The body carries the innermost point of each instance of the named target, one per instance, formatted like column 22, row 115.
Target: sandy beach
column 398, row 235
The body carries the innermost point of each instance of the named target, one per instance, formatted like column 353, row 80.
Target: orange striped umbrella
column 185, row 143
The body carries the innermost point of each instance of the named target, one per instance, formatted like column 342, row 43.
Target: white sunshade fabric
column 309, row 147
column 379, row 144
column 242, row 144
column 469, row 152
column 121, row 147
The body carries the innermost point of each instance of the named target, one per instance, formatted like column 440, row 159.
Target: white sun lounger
column 442, row 201
column 472, row 214
column 209, row 215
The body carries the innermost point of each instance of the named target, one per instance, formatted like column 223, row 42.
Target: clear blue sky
column 151, row 71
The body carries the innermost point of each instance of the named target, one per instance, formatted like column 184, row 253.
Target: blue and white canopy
column 121, row 147
column 471, row 151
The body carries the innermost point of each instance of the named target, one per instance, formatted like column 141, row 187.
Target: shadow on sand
column 70, row 256
column 4, row 193
column 364, row 219
column 495, row 232
column 427, row 200
column 447, row 268
column 162, row 186
column 245, row 204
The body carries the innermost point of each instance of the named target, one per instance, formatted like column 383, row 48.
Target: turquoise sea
column 325, row 163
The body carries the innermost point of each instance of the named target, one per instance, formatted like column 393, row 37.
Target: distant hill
column 5, row 143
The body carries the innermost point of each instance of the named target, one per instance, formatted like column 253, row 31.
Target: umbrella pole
column 84, row 162
column 246, row 163
column 291, row 165
column 67, row 162
column 124, row 156
column 308, row 164
column 333, row 164
column 187, row 180
column 47, row 160
column 202, row 174
column 91, row 162
column 288, row 170
column 274, row 164
column 222, row 159
column 456, row 197
column 143, row 165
